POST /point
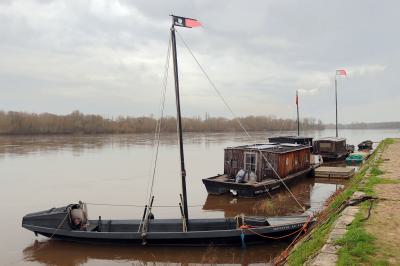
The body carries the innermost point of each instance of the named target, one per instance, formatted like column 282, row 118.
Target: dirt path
column 384, row 223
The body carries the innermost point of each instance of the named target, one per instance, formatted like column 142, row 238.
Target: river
column 39, row 172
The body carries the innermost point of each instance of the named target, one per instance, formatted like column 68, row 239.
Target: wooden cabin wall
column 340, row 147
column 265, row 170
column 292, row 162
column 233, row 161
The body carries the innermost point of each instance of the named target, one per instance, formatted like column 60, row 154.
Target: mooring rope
column 59, row 226
column 238, row 120
column 298, row 231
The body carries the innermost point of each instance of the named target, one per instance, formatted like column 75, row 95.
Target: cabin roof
column 290, row 137
column 332, row 139
column 272, row 147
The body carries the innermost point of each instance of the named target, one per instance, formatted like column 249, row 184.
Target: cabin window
column 250, row 161
column 325, row 146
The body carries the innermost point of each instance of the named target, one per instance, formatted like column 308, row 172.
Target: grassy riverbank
column 357, row 245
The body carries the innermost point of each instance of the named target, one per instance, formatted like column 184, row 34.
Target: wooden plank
column 334, row 172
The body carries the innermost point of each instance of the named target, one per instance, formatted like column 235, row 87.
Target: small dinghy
column 365, row 145
column 71, row 222
column 357, row 158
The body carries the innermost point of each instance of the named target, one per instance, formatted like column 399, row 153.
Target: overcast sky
column 107, row 57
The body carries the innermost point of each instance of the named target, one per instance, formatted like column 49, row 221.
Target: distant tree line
column 374, row 125
column 14, row 123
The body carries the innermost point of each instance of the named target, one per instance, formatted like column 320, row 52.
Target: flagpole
column 337, row 135
column 179, row 121
column 298, row 118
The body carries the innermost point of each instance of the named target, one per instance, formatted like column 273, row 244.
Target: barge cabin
column 248, row 174
column 331, row 148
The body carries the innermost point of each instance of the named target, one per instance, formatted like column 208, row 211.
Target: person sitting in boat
column 78, row 219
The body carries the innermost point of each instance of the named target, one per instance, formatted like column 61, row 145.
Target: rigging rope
column 159, row 121
column 237, row 119
column 157, row 136
column 138, row 206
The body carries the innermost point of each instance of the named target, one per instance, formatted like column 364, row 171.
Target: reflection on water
column 42, row 172
column 281, row 203
column 310, row 192
column 68, row 254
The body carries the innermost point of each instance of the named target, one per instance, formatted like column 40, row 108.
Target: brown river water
column 38, row 173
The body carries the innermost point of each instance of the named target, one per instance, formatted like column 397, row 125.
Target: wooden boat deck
column 225, row 179
column 334, row 172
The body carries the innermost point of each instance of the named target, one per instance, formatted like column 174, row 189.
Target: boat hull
column 248, row 190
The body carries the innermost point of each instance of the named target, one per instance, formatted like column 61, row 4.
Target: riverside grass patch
column 308, row 248
column 357, row 245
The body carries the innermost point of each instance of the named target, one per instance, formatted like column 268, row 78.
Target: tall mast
column 298, row 118
column 179, row 120
column 337, row 135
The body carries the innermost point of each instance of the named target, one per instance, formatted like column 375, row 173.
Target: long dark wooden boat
column 266, row 167
column 71, row 222
column 56, row 223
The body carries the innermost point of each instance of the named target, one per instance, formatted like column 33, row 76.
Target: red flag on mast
column 341, row 72
column 185, row 22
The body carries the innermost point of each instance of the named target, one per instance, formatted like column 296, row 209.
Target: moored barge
column 331, row 148
column 251, row 170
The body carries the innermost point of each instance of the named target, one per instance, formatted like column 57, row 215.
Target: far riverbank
column 22, row 123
